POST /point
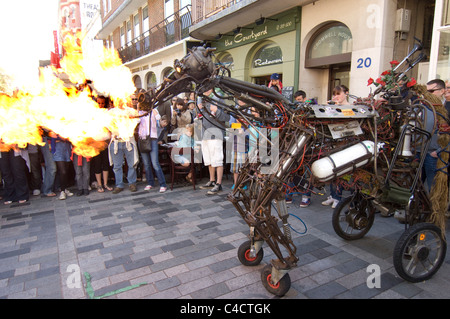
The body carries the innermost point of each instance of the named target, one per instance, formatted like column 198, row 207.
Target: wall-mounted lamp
column 239, row 29
column 220, row 36
column 262, row 20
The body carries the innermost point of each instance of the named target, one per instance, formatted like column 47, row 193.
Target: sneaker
column 68, row 193
column 328, row 202
column 117, row 190
column 215, row 190
column 162, row 189
column 208, row 185
column 289, row 200
column 133, row 188
column 306, row 201
column 62, row 196
column 148, row 187
column 36, row 192
column 335, row 203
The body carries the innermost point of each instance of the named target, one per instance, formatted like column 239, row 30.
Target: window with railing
column 173, row 28
column 207, row 8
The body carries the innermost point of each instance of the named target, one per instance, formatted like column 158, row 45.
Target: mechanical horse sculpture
column 370, row 148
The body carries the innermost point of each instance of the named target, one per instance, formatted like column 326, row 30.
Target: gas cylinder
column 344, row 161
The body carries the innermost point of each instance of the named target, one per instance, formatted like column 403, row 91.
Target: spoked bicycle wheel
column 353, row 217
column 420, row 252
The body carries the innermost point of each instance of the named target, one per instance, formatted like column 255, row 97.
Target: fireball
column 59, row 106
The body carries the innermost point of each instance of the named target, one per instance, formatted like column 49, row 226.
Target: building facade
column 81, row 16
column 316, row 45
column 148, row 35
column 313, row 45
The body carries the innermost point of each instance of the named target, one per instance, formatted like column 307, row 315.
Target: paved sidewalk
column 183, row 244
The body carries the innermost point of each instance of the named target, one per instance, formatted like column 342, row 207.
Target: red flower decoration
column 411, row 83
column 385, row 72
column 394, row 63
column 370, row 82
column 379, row 81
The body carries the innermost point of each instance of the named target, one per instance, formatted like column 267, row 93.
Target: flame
column 60, row 107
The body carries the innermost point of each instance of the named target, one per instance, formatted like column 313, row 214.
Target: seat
column 178, row 170
column 164, row 159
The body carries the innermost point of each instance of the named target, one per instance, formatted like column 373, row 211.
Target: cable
column 306, row 228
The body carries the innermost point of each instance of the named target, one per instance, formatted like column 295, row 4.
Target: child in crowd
column 185, row 141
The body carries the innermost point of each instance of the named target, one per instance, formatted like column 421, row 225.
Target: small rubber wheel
column 419, row 252
column 280, row 288
column 244, row 255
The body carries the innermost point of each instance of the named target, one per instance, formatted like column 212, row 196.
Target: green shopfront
column 268, row 46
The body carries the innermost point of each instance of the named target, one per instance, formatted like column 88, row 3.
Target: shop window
column 151, row 80
column 330, row 45
column 443, row 69
column 268, row 55
column 227, row 60
column 137, row 82
column 167, row 72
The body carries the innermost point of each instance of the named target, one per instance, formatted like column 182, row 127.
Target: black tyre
column 278, row 289
column 244, row 255
column 420, row 252
column 353, row 217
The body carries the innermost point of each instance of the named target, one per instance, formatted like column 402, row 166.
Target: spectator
column 148, row 127
column 300, row 96
column 120, row 147
column 165, row 110
column 61, row 150
column 239, row 146
column 437, row 88
column 163, row 130
column 50, row 167
column 14, row 174
column 36, row 169
column 100, row 162
column 185, row 141
column 213, row 129
column 82, row 167
column 192, row 108
column 340, row 97
column 275, row 82
column 181, row 115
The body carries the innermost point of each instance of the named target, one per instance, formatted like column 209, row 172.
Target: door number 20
column 364, row 63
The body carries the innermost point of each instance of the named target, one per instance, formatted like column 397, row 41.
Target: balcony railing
column 172, row 29
column 207, row 8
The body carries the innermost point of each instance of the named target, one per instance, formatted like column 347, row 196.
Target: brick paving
column 183, row 244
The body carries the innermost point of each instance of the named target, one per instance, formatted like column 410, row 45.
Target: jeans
column 153, row 155
column 82, row 173
column 118, row 163
column 429, row 170
column 14, row 174
column 336, row 191
column 50, row 168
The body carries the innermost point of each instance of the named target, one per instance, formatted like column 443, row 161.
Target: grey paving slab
column 183, row 244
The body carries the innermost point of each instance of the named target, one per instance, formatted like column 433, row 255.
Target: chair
column 164, row 159
column 180, row 170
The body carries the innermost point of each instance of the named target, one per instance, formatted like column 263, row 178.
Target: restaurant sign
column 255, row 32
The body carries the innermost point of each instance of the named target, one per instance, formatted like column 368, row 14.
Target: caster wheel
column 244, row 255
column 420, row 252
column 353, row 217
column 278, row 289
